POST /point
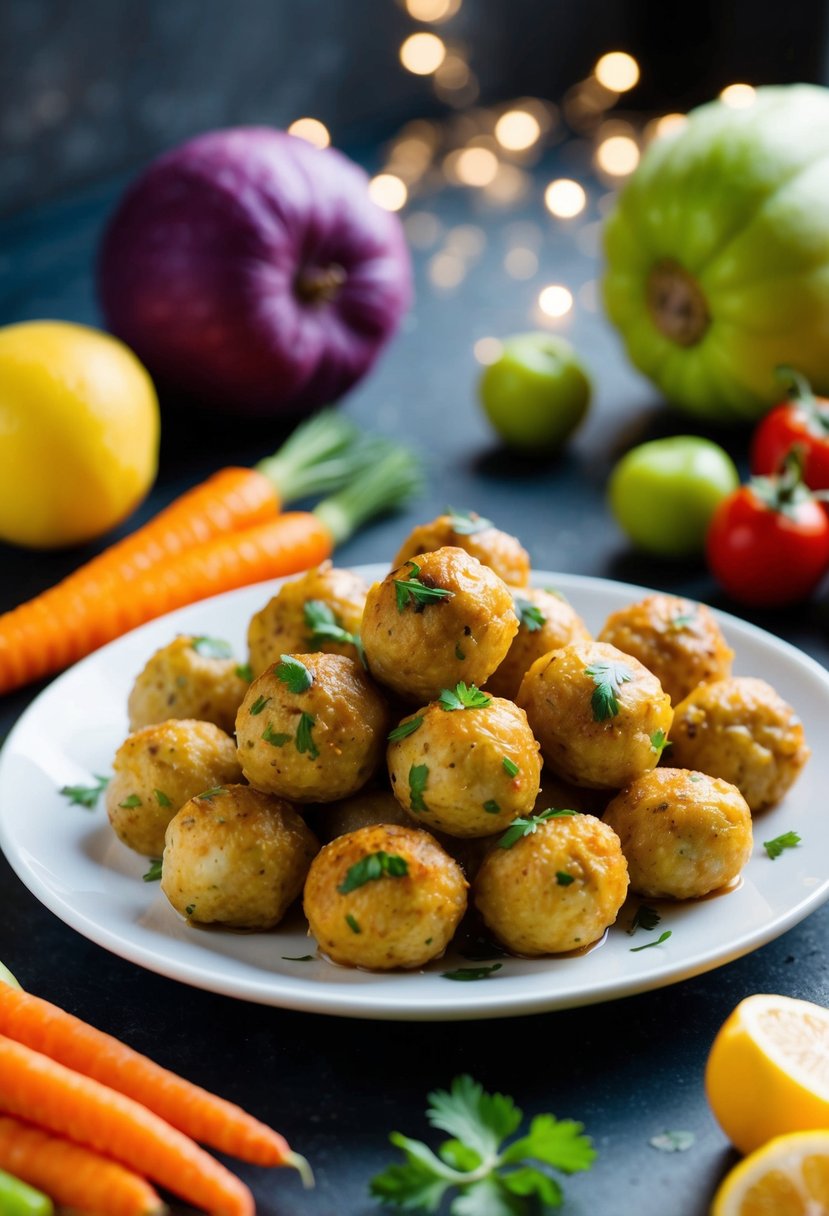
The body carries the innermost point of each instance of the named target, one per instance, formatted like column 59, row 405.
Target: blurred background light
column 432, row 10
column 617, row 71
column 565, row 198
column 487, row 350
column 517, row 130
column 312, row 131
column 446, row 270
column 476, row 166
column 618, row 155
column 388, row 191
column 738, row 96
column 422, row 229
column 422, row 53
column 521, row 263
column 668, row 124
column 555, row 300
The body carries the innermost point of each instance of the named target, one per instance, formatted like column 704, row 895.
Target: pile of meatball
column 449, row 740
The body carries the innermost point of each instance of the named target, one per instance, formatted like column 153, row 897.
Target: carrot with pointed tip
column 92, row 607
column 60, row 1035
column 73, row 1176
column 43, row 1092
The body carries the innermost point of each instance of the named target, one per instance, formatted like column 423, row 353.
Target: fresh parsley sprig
column 418, row 779
column 530, row 616
column 294, row 674
column 660, row 742
column 371, row 868
column 467, row 523
column 212, row 648
column 85, row 795
column 154, row 872
column 323, row 626
column 489, row 1177
column 521, row 827
column 644, row 918
column 608, row 678
column 406, row 728
column 411, row 591
column 788, row 840
column 304, row 738
column 463, row 696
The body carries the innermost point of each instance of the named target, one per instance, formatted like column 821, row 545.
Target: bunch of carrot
column 93, row 1124
column 228, row 532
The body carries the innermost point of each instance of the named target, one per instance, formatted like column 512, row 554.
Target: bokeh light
column 422, row 53
column 617, row 71
column 588, row 295
column 453, row 73
column 618, row 155
column 466, row 240
column 432, row 10
column 555, row 300
column 668, row 124
column 487, row 350
column 312, row 131
column 739, row 96
column 521, row 263
column 565, row 198
column 517, row 130
column 508, row 187
column 476, row 166
column 446, row 270
column 388, row 191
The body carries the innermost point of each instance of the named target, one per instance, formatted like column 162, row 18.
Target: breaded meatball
column 236, row 857
column 190, row 677
column 384, row 897
column 438, row 619
column 599, row 715
column 740, row 729
column 683, row 833
column 361, row 810
column 467, row 530
column 465, row 771
column 676, row 639
column 299, row 618
column 159, row 768
column 545, row 622
column 555, row 889
column 312, row 728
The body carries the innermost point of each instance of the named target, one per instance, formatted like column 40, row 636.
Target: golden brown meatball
column 740, row 729
column 676, row 639
column 299, row 618
column 600, row 716
column 361, row 810
column 158, row 769
column 555, row 889
column 465, row 771
column 384, row 897
column 467, row 530
column 440, row 618
column 312, row 728
column 545, row 622
column 191, row 677
column 236, row 857
column 683, row 833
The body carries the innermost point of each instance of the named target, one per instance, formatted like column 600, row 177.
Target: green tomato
column 718, row 254
column 663, row 493
column 536, row 392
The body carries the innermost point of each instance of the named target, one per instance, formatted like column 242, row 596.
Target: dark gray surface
column 336, row 1087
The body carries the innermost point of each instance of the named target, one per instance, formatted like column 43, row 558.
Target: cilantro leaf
column 212, row 648
column 244, row 671
column 530, row 616
column 659, row 742
column 131, row 802
column 154, row 872
column 85, row 795
column 210, row 794
column 275, row 738
column 673, row 1142
column 683, row 620
column 293, row 673
column 487, row 1198
column 663, row 937
column 788, row 840
column 563, row 878
column 608, row 678
column 371, row 868
column 258, row 705
column 479, row 1119
column 560, row 1143
column 411, row 591
column 491, row 807
column 351, row 921
column 510, row 767
column 644, row 918
column 162, row 799
column 406, row 728
column 465, row 974
column 418, row 777
column 467, row 523
column 531, row 1181
column 463, row 696
column 323, row 625
column 304, row 738
column 528, row 827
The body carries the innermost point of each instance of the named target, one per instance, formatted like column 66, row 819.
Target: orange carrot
column 100, row 602
column 45, row 1028
column 73, row 1176
column 55, row 1098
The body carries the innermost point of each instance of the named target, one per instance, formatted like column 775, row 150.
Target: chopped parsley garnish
column 411, row 591
column 563, row 878
column 373, row 867
column 788, row 840
column 293, row 673
column 405, row 729
column 154, row 872
column 351, row 921
column 297, row 958
column 215, row 792
column 683, row 621
column 212, row 648
column 463, row 696
column 323, row 625
column 491, row 807
column 695, row 777
column 418, row 777
column 129, row 803
column 244, row 671
column 189, row 910
column 663, row 937
column 673, row 1142
column 510, row 767
column 275, row 738
column 467, row 523
column 304, row 739
column 85, row 795
column 459, row 654
column 608, row 678
column 161, row 798
column 465, row 974
column 519, row 828
column 530, row 616
column 258, row 705
column 488, row 1175
column 659, row 741
column 644, row 918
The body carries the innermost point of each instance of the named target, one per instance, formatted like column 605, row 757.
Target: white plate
column 73, row 863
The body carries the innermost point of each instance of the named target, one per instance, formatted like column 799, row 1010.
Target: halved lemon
column 789, row 1176
column 768, row 1070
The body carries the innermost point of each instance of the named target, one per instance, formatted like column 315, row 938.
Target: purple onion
column 253, row 272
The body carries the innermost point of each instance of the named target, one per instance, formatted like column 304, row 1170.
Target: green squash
column 718, row 254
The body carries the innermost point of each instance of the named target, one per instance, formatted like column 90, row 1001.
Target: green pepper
column 18, row 1199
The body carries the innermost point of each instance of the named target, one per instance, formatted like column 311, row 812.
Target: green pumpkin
column 718, row 254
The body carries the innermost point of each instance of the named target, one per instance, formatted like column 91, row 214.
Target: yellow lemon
column 768, row 1070
column 78, row 433
column 789, row 1176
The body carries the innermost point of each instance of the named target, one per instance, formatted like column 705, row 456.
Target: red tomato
column 802, row 422
column 768, row 549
